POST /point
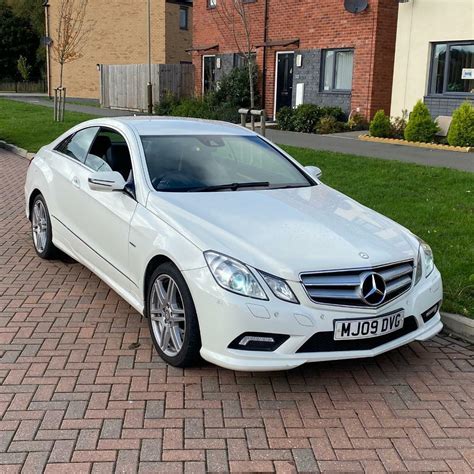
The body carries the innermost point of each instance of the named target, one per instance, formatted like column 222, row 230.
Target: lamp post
column 149, row 85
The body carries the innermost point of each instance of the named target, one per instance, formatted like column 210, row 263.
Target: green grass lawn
column 437, row 204
column 32, row 126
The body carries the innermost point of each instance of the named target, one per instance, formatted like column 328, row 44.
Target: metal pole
column 149, row 85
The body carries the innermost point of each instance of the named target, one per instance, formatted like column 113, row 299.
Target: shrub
column 380, row 125
column 357, row 122
column 306, row 117
column 166, row 104
column 234, row 87
column 420, row 127
column 461, row 131
column 328, row 125
column 285, row 117
column 399, row 124
column 335, row 112
column 192, row 107
column 226, row 112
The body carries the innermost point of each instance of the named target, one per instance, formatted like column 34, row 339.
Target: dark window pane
column 437, row 68
column 209, row 73
column 183, row 18
column 460, row 57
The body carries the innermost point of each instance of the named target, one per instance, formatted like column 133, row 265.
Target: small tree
column 234, row 18
column 420, row 127
column 461, row 131
column 380, row 126
column 24, row 68
column 71, row 33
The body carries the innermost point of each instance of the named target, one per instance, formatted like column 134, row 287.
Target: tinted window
column 78, row 145
column 184, row 163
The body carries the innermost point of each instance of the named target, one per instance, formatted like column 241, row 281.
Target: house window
column 183, row 18
column 240, row 60
column 452, row 68
column 337, row 69
column 208, row 73
column 211, row 3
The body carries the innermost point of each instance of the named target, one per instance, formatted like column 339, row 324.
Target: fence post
column 263, row 117
column 243, row 116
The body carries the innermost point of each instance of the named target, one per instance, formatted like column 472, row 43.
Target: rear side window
column 78, row 145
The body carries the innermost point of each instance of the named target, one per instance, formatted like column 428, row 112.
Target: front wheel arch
column 33, row 195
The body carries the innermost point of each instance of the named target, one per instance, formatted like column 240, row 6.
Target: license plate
column 368, row 327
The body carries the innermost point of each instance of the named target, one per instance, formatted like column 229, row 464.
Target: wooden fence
column 125, row 86
column 33, row 87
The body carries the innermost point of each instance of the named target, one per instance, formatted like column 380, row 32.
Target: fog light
column 428, row 314
column 254, row 341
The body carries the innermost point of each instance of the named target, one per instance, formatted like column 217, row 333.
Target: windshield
column 217, row 163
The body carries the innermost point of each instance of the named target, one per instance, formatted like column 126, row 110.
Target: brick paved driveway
column 76, row 396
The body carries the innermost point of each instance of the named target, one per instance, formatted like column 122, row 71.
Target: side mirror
column 106, row 181
column 313, row 171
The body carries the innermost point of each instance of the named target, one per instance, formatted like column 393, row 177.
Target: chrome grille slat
column 394, row 273
column 331, row 293
column 342, row 287
column 395, row 285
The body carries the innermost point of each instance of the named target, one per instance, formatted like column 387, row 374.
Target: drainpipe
column 48, row 47
column 264, row 62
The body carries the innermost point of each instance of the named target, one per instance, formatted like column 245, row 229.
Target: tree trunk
column 61, row 68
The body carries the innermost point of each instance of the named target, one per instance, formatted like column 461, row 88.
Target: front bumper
column 223, row 316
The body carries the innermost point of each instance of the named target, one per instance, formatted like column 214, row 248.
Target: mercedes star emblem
column 373, row 288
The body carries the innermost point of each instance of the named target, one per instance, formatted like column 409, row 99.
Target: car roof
column 151, row 125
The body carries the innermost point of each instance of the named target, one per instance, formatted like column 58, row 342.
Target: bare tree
column 235, row 19
column 71, row 33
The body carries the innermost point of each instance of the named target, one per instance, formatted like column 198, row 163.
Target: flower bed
column 433, row 146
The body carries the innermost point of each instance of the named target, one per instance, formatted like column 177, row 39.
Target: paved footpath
column 76, row 396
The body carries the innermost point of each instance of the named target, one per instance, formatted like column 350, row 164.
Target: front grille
column 324, row 341
column 343, row 287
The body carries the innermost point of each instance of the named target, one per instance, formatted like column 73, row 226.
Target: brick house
column 120, row 36
column 307, row 51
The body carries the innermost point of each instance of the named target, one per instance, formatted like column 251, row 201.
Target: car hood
column 286, row 231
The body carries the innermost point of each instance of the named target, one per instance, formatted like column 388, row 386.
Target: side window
column 78, row 145
column 110, row 152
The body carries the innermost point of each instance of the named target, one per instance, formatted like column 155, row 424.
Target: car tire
column 41, row 230
column 172, row 318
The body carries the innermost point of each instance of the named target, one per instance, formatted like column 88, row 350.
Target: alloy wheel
column 39, row 223
column 167, row 315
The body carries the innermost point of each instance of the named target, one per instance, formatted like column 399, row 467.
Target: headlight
column 234, row 276
column 425, row 261
column 280, row 288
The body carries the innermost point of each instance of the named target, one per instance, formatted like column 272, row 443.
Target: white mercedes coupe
column 228, row 246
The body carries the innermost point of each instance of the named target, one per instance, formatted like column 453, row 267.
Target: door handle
column 76, row 183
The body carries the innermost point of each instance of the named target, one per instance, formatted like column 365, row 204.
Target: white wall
column 419, row 23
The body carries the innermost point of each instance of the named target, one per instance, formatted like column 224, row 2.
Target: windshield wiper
column 231, row 186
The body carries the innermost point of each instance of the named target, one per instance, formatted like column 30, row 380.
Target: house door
column 208, row 73
column 284, row 80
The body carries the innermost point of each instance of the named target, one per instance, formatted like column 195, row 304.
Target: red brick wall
column 318, row 24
